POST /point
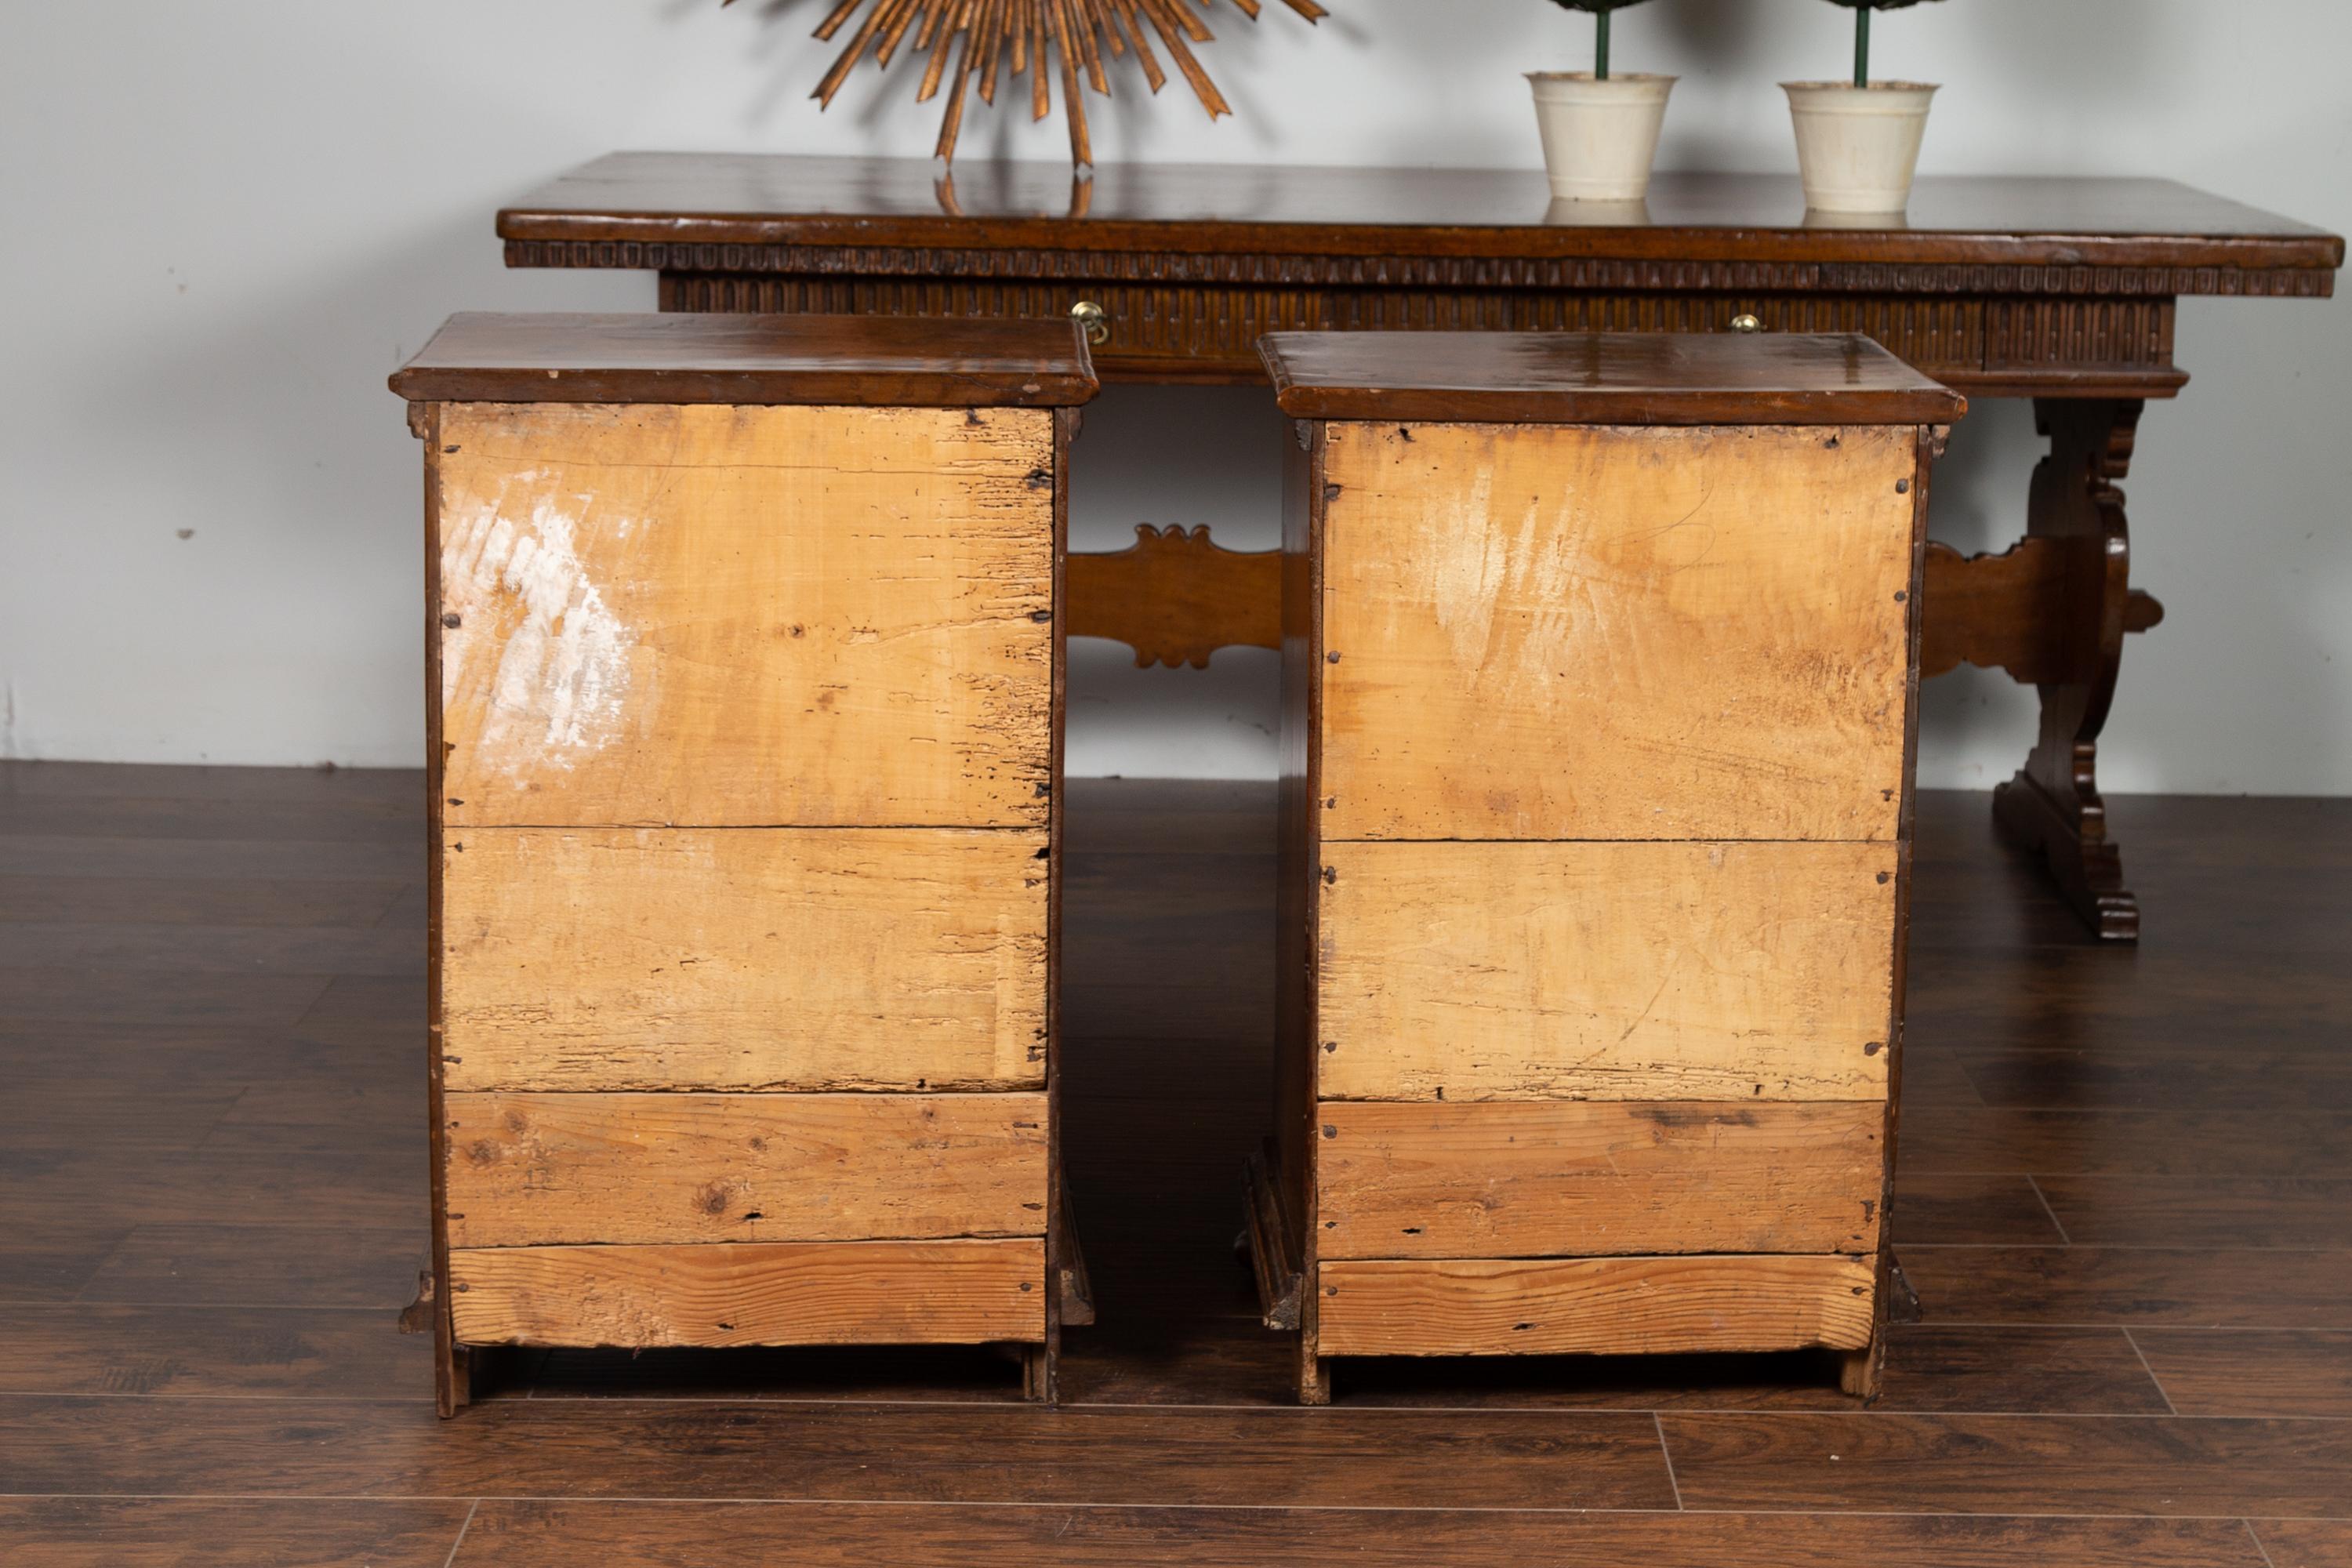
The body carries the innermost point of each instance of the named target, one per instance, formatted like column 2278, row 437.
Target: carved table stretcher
column 2063, row 290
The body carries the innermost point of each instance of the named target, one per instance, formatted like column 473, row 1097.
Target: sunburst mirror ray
column 973, row 46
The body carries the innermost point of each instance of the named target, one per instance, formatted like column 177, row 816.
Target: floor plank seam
column 1961, row 1068
column 183, row 1304
column 462, row 1528
column 1173, row 1508
column 2109, row 1247
column 332, row 982
column 2043, row 1198
column 1057, row 1504
column 1667, row 1454
column 2133, row 1339
column 2144, row 1322
column 221, row 1119
column 383, row 921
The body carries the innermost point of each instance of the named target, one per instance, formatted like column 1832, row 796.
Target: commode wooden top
column 548, row 357
column 1600, row 378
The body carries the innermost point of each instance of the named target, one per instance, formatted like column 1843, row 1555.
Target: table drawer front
column 537, row 1169
column 1169, row 328
column 745, row 616
column 767, row 959
column 1562, row 1179
column 1600, row 971
column 1544, row 632
column 762, row 1293
column 1594, row 1305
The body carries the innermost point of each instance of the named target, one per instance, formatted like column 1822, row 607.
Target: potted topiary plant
column 1858, row 142
column 1600, row 131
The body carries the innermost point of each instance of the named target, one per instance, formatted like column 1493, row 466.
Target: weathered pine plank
column 746, row 615
column 1666, row 972
column 756, row 1293
column 1601, row 1306
column 844, row 958
column 534, row 1168
column 1572, row 1178
column 1634, row 633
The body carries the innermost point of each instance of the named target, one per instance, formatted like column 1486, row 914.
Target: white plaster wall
column 222, row 225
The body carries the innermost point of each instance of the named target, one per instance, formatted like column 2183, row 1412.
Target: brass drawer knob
column 1093, row 320
column 1744, row 323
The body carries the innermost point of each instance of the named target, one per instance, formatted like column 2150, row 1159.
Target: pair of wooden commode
column 746, row 678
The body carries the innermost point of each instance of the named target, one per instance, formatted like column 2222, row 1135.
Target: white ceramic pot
column 1857, row 147
column 1599, row 137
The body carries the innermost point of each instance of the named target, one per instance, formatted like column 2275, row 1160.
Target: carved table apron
column 2061, row 290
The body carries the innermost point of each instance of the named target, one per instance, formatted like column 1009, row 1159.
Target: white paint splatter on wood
column 1529, row 588
column 534, row 633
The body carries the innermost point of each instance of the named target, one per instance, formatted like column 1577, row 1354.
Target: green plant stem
column 1861, row 46
column 1601, row 45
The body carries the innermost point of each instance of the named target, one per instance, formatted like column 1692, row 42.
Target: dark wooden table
column 2061, row 290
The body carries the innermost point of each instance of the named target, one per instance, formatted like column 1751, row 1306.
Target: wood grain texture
column 2012, row 611
column 547, row 356
column 773, row 959
column 1169, row 887
column 1065, row 1271
column 754, row 1293
column 1993, row 285
column 1600, row 378
column 452, row 1366
column 1184, row 318
column 2043, row 1464
column 1298, row 857
column 2186, row 1142
column 2203, row 1211
column 1721, row 226
column 1564, row 1179
column 1639, row 633
column 2304, row 1543
column 176, row 1348
column 534, row 1168
column 2052, row 804
column 1236, row 1362
column 1175, row 596
column 223, row 1533
column 1664, row 972
column 1605, row 1306
column 1973, row 1209
column 307, row 1258
column 745, row 616
column 563, row 1533
column 2248, row 1371
column 62, row 855
column 315, row 907
column 2189, row 1287
column 710, row 1449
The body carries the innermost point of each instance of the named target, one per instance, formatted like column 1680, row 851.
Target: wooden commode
column 744, row 725
column 1599, row 657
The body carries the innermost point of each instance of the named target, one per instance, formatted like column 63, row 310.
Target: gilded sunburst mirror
column 973, row 45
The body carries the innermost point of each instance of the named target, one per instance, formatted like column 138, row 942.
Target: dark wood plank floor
column 2126, row 1208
